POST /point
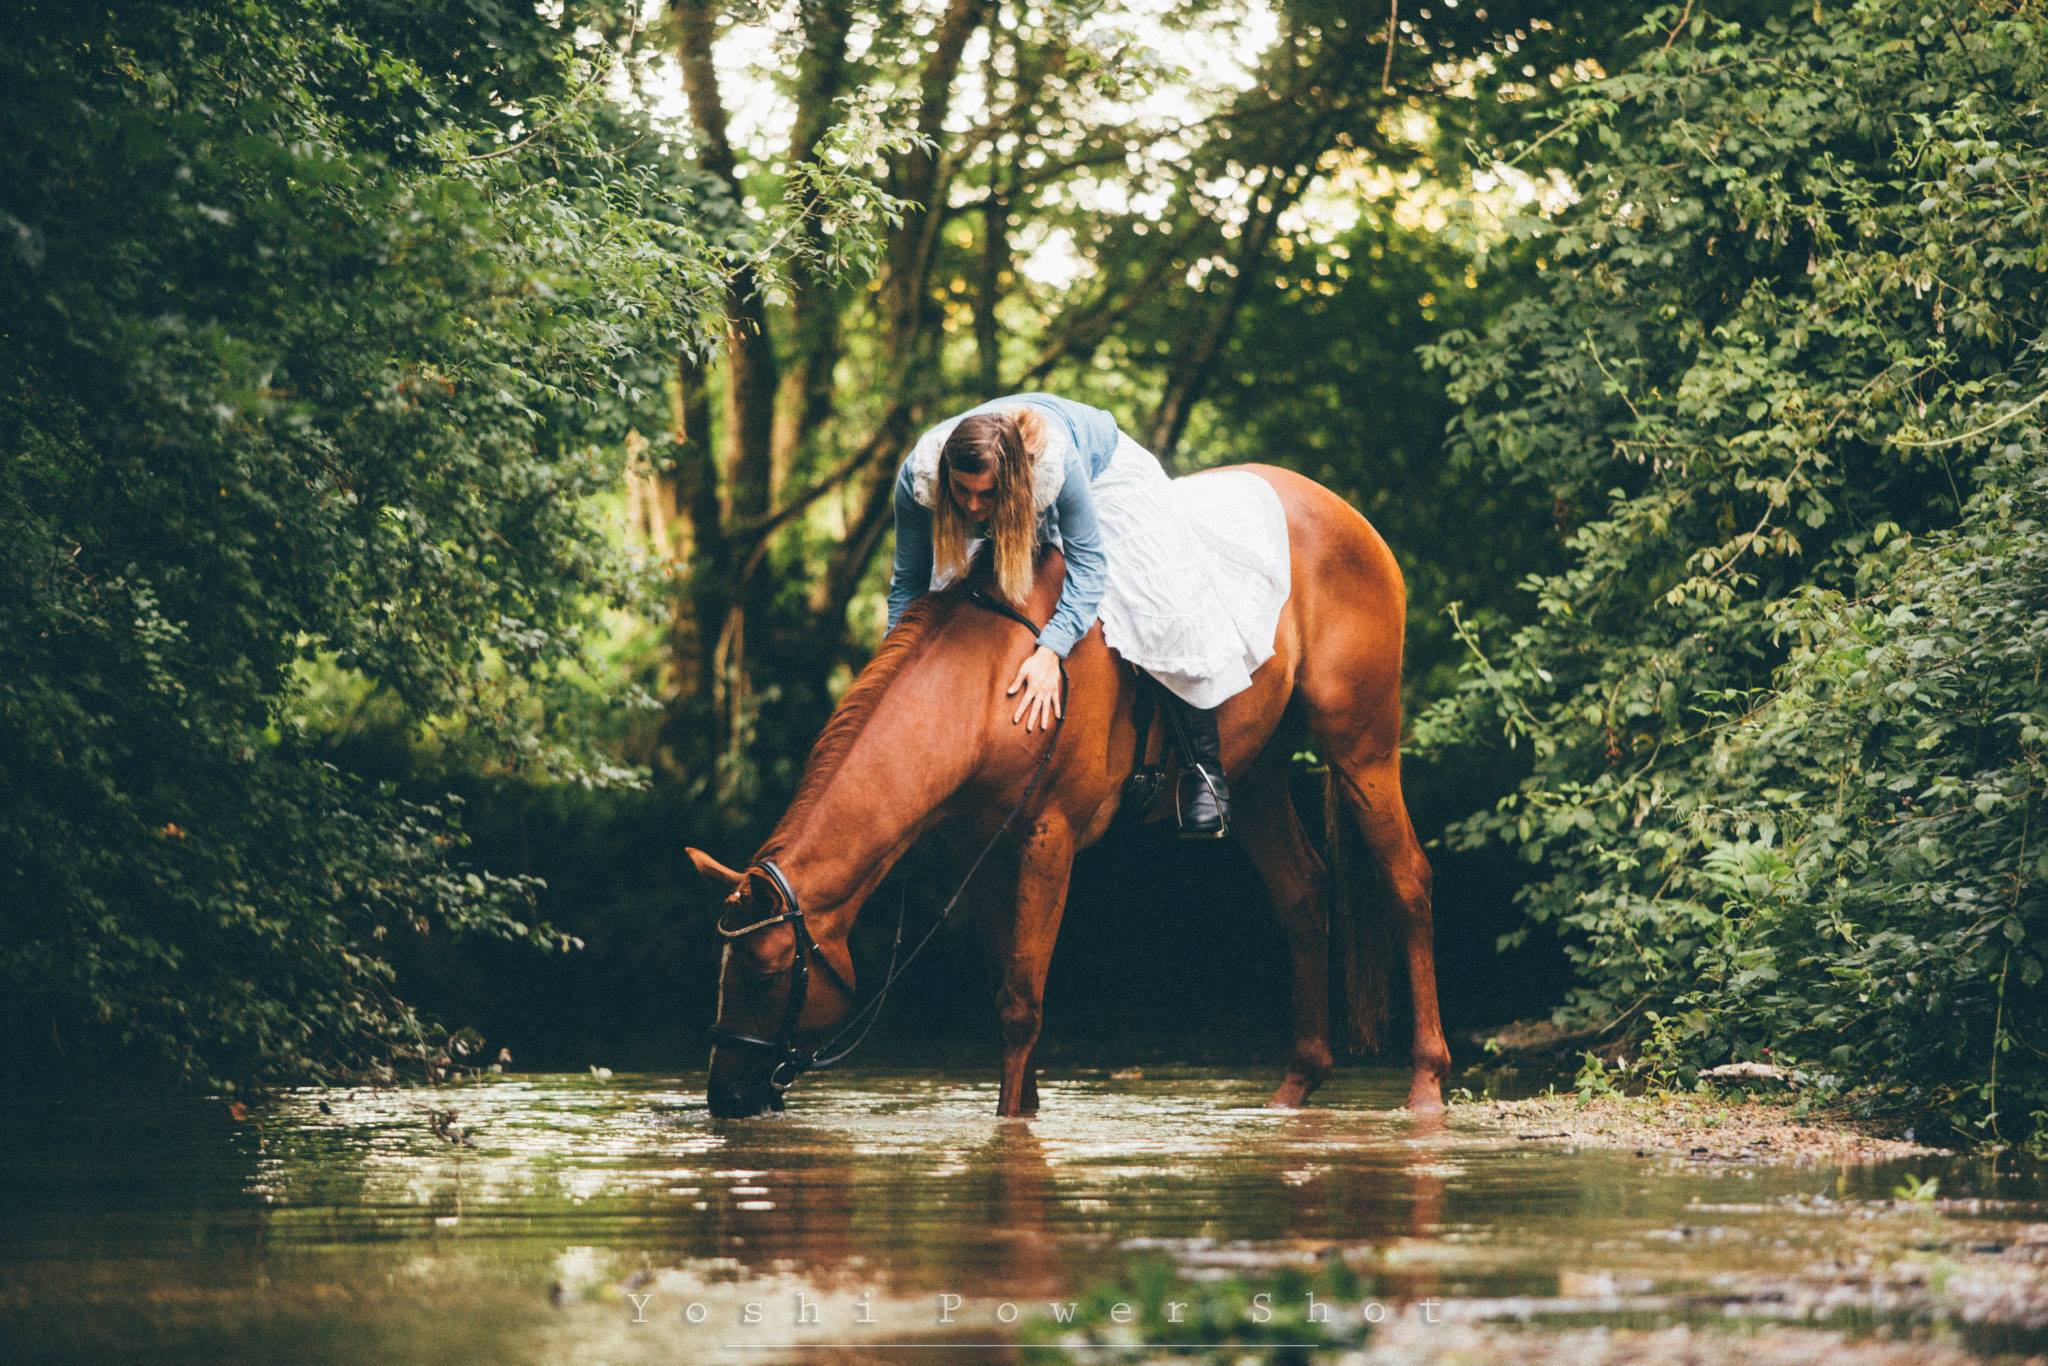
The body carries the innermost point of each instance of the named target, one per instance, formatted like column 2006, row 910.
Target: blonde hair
column 1006, row 442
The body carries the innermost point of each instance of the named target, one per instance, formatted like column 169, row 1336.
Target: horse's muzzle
column 742, row 1099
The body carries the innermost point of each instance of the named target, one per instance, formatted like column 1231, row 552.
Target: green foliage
column 322, row 323
column 1783, row 703
column 1594, row 1080
column 1151, row 1303
column 1916, row 1190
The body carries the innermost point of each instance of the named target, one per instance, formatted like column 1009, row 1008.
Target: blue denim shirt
column 1091, row 440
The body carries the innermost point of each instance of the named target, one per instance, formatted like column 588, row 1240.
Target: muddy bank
column 1696, row 1128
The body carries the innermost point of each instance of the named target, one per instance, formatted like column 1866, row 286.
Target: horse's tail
column 1361, row 915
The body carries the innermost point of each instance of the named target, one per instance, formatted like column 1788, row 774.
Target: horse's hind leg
column 1271, row 833
column 1369, row 776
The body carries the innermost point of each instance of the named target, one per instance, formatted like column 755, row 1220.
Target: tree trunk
column 804, row 405
column 747, row 453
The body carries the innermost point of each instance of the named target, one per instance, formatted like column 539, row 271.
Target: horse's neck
column 873, row 787
column 859, row 809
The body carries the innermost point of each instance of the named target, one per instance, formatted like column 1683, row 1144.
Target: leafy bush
column 319, row 324
column 1885, row 916
column 1783, row 701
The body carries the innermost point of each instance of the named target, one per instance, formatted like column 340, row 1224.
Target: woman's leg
column 1197, row 577
column 1201, row 796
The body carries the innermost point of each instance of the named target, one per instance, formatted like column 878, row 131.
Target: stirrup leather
column 1142, row 786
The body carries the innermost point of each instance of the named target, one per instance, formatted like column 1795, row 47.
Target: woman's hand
column 1039, row 677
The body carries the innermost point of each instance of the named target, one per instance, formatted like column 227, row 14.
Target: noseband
column 791, row 1061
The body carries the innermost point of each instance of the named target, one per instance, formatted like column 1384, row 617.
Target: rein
column 791, row 1061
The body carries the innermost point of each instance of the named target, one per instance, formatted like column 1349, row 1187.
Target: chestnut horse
column 923, row 741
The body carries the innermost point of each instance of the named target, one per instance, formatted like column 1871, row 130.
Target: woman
column 1195, row 610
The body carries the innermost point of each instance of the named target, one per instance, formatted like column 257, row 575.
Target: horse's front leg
column 1022, row 950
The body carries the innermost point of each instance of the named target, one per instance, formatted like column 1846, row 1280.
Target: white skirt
column 1198, row 572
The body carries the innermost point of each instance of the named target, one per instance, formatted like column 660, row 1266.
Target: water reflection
column 540, row 1218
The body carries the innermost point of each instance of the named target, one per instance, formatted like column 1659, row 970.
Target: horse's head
column 780, row 991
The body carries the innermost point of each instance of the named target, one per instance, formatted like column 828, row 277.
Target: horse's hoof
column 1428, row 1103
column 1290, row 1096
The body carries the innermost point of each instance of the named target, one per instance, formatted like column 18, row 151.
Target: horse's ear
column 715, row 875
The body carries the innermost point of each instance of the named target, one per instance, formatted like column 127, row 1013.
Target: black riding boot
column 1201, row 799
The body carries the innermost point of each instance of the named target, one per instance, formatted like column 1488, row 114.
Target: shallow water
column 614, row 1220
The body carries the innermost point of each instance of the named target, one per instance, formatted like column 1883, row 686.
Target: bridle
column 788, row 1055
column 792, row 1061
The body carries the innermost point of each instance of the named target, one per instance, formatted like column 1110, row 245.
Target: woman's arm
column 911, row 574
column 1087, row 564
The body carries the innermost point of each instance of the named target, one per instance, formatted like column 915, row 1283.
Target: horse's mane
column 856, row 709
